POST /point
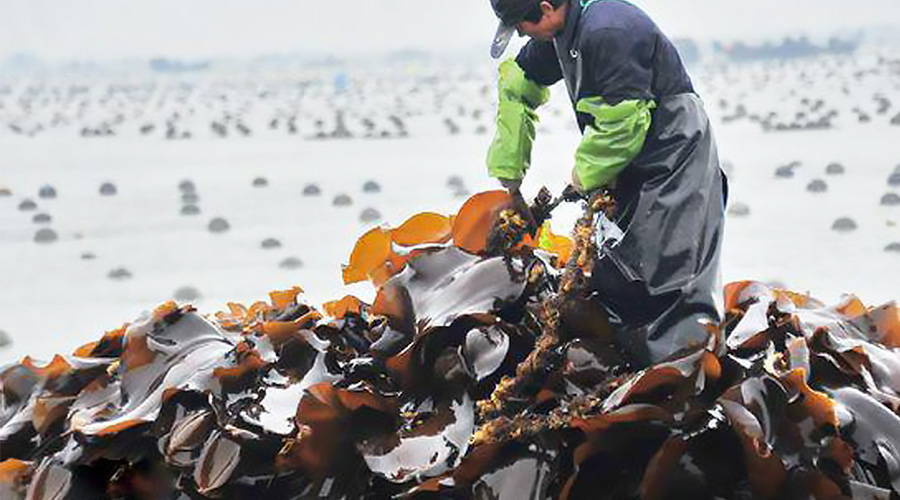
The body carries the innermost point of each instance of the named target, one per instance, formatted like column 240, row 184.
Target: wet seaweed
column 484, row 368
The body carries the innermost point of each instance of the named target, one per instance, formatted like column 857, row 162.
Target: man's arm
column 612, row 141
column 617, row 101
column 522, row 88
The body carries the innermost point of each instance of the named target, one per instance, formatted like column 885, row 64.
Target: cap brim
column 501, row 39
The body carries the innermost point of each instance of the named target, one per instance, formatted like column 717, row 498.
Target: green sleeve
column 510, row 153
column 612, row 141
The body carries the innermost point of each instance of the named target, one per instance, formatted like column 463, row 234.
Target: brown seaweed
column 483, row 369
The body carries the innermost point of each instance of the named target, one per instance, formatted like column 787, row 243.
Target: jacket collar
column 573, row 16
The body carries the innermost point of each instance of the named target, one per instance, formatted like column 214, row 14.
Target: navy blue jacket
column 610, row 49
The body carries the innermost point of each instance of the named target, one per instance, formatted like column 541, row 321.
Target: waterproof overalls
column 645, row 136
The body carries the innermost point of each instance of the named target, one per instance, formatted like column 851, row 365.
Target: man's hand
column 524, row 211
column 519, row 204
column 576, row 182
column 578, row 186
column 511, row 184
column 571, row 194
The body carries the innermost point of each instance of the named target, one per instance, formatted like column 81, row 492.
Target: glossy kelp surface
column 483, row 369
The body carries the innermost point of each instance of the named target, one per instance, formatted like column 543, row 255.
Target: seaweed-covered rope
column 542, row 359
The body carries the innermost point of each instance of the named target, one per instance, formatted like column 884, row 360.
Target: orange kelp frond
column 426, row 227
column 137, row 353
column 86, row 349
column 55, row 368
column 476, row 218
column 284, row 299
column 378, row 254
column 258, row 311
column 881, row 324
column 561, row 246
column 109, row 346
column 337, row 309
column 733, row 292
column 234, row 319
column 120, row 426
column 375, row 256
column 802, row 300
column 48, row 411
column 851, row 307
column 370, row 252
column 239, row 318
column 164, row 309
column 247, row 364
column 239, row 311
column 280, row 332
column 812, row 404
column 14, row 472
column 169, row 312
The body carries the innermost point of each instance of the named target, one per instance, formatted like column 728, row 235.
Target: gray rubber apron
column 660, row 284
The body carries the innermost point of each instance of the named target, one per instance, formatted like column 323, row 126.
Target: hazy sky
column 101, row 29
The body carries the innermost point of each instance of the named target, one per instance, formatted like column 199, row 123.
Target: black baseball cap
column 510, row 13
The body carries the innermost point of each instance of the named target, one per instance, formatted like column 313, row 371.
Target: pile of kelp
column 483, row 369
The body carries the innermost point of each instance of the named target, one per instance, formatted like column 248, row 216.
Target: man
column 645, row 137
